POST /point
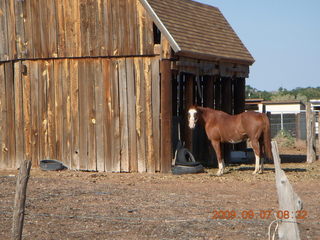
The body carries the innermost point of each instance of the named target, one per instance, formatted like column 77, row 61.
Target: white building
column 290, row 106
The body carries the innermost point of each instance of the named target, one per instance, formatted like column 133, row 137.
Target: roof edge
column 161, row 26
column 210, row 57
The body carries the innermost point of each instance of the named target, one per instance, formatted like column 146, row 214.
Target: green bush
column 285, row 139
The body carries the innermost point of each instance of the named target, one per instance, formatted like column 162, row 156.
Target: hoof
column 219, row 174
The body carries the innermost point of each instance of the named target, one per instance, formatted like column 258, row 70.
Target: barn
column 105, row 85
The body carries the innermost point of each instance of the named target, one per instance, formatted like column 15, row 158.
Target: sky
column 283, row 36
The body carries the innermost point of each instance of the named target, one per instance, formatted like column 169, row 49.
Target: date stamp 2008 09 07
column 260, row 214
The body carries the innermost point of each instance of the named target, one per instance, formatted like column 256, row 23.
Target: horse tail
column 267, row 137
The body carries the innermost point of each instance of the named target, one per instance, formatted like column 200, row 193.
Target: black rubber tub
column 52, row 165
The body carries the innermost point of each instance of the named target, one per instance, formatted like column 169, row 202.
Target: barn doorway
column 187, row 90
column 213, row 91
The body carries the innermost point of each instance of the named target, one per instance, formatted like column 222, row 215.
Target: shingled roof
column 196, row 29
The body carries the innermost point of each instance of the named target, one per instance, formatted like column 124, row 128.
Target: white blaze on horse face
column 192, row 118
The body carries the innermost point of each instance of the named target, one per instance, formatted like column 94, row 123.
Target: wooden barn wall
column 92, row 114
column 35, row 29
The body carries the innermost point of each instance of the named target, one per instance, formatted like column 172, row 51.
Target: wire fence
column 293, row 123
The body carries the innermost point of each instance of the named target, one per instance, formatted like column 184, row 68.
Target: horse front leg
column 217, row 148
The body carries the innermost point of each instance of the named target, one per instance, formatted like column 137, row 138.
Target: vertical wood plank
column 3, row 119
column 75, row 132
column 131, row 115
column 52, row 30
column 124, row 138
column 27, row 111
column 106, row 28
column 72, row 21
column 151, row 164
column 58, row 75
column 156, row 110
column 36, row 34
column 51, row 111
column 66, row 112
column 4, row 46
column 84, row 113
column 18, row 113
column 100, row 115
column 43, row 110
column 92, row 158
column 123, row 28
column 166, row 116
column 34, row 83
column 108, row 127
column 115, row 28
column 115, row 117
column 11, row 21
column 20, row 40
column 43, row 28
column 28, row 35
column 9, row 92
column 61, row 29
column 84, row 28
column 132, row 26
column 140, row 114
column 141, row 27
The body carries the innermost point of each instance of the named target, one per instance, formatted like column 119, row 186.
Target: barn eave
column 215, row 58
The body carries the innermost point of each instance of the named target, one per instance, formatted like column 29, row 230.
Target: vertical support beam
column 166, row 115
column 217, row 93
column 209, row 91
column 226, row 106
column 226, row 92
column 311, row 145
column 239, row 95
column 239, row 104
column 189, row 102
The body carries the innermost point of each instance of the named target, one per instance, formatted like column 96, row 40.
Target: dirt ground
column 89, row 205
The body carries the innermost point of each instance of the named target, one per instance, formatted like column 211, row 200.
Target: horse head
column 192, row 116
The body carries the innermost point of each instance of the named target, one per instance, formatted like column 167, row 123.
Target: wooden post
column 298, row 126
column 311, row 145
column 166, row 115
column 217, row 93
column 189, row 101
column 239, row 92
column 289, row 201
column 226, row 106
column 319, row 133
column 20, row 199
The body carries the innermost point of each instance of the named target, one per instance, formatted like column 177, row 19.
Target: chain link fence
column 293, row 123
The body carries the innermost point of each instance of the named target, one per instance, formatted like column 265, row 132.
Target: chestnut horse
column 222, row 127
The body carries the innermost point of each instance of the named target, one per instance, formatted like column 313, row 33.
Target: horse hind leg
column 256, row 148
column 262, row 154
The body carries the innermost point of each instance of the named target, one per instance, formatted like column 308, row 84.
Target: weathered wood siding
column 92, row 114
column 36, row 29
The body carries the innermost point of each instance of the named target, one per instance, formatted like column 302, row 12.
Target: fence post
column 298, row 126
column 20, row 199
column 311, row 135
column 319, row 133
column 289, row 201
